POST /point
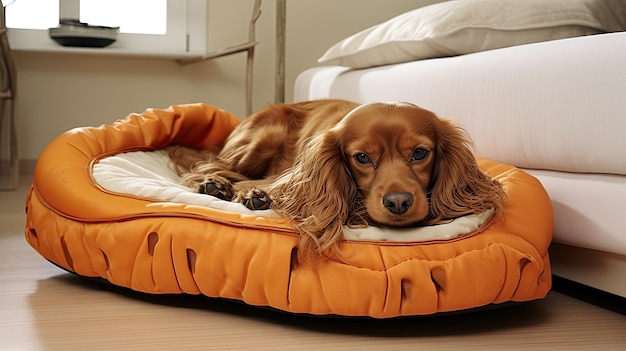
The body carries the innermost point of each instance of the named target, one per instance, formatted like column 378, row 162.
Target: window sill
column 113, row 52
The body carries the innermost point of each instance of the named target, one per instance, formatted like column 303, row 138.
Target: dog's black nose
column 398, row 203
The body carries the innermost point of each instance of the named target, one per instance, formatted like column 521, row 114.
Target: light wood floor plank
column 45, row 308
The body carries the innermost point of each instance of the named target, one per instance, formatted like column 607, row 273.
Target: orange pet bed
column 164, row 242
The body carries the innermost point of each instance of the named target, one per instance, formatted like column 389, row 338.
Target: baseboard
column 597, row 269
column 589, row 294
column 26, row 167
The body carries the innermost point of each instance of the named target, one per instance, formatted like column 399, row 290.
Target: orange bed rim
column 160, row 247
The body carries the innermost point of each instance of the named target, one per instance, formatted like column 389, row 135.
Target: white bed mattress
column 559, row 106
column 588, row 209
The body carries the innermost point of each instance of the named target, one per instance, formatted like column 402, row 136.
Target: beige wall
column 57, row 92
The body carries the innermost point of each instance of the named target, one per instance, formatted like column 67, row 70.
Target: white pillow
column 464, row 26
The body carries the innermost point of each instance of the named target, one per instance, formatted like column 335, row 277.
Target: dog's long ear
column 458, row 185
column 317, row 194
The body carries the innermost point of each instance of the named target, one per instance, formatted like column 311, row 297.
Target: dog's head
column 412, row 167
column 391, row 150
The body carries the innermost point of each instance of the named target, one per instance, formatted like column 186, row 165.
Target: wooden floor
column 45, row 308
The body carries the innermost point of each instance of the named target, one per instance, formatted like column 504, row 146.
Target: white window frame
column 186, row 34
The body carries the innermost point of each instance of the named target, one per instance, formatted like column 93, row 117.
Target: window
column 139, row 16
column 160, row 27
column 20, row 14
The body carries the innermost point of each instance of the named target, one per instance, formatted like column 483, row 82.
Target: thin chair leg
column 249, row 78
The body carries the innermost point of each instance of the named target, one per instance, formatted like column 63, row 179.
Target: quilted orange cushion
column 166, row 247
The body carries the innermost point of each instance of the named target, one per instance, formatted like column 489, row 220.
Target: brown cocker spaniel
column 328, row 163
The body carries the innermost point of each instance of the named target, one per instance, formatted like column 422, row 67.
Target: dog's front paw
column 222, row 190
column 255, row 199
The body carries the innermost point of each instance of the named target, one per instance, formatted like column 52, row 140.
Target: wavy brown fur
column 317, row 193
column 459, row 187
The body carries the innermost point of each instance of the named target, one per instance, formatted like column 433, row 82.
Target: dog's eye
column 419, row 154
column 362, row 158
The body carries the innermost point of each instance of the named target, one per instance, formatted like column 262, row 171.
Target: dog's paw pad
column 220, row 191
column 257, row 200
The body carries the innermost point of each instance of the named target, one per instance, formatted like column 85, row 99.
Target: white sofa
column 556, row 109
